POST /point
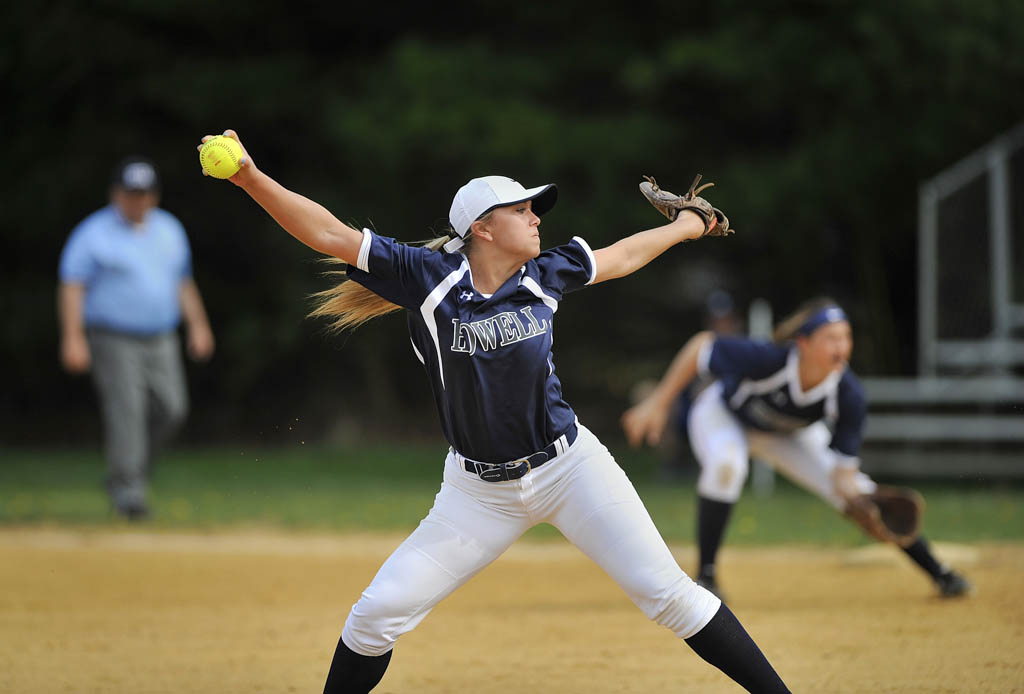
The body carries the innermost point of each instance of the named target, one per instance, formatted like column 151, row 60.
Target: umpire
column 125, row 285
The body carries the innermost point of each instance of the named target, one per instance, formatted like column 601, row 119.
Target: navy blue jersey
column 488, row 357
column 761, row 385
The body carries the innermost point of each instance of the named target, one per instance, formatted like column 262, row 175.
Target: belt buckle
column 517, row 464
column 503, row 472
column 514, row 468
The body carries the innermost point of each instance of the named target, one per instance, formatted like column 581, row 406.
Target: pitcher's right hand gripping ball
column 220, row 156
column 670, row 205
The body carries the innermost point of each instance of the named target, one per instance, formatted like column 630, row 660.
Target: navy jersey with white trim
column 761, row 386
column 488, row 357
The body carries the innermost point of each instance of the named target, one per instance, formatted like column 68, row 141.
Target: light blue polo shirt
column 132, row 275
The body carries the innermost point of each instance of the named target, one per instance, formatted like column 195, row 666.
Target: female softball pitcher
column 793, row 402
column 480, row 307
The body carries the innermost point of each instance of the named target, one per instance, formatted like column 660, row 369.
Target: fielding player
column 793, row 403
column 480, row 312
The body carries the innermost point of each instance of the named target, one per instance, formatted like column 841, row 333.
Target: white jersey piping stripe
column 363, row 259
column 417, row 352
column 789, row 375
column 816, row 393
column 765, row 385
column 704, row 357
column 432, row 301
column 532, row 285
column 590, row 257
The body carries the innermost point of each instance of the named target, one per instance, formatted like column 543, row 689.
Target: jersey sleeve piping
column 590, row 257
column 704, row 358
column 363, row 259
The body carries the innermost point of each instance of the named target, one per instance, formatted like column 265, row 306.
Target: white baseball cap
column 481, row 195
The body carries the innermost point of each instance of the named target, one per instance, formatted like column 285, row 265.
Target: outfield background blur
column 817, row 121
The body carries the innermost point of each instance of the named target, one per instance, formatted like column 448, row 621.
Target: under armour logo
column 466, row 296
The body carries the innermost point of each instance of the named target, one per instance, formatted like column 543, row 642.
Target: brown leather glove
column 670, row 205
column 889, row 514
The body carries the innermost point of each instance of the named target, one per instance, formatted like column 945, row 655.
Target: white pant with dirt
column 723, row 446
column 582, row 492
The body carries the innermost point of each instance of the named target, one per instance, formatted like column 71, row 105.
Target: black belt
column 514, row 469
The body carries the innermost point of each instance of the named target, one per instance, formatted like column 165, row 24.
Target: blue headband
column 829, row 314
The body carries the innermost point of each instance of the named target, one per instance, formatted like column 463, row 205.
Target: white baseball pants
column 723, row 446
column 583, row 493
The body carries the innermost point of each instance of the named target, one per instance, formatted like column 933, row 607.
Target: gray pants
column 140, row 382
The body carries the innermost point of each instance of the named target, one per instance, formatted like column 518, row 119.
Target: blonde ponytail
column 349, row 304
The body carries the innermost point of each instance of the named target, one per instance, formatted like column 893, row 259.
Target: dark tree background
column 816, row 119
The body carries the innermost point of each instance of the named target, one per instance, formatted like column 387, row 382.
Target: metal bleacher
column 963, row 415
column 948, row 427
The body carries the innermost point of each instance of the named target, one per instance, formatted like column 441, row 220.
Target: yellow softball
column 219, row 156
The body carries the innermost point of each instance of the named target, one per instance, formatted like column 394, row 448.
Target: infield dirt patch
column 123, row 611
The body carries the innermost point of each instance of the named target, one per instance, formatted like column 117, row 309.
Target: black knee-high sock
column 352, row 673
column 712, row 517
column 922, row 555
column 725, row 644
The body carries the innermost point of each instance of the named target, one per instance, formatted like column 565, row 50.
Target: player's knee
column 367, row 631
column 365, row 638
column 685, row 608
column 723, row 480
column 377, row 620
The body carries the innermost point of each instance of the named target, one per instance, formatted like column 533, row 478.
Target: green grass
column 391, row 487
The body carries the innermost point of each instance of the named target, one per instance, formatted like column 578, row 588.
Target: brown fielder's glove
column 670, row 205
column 889, row 514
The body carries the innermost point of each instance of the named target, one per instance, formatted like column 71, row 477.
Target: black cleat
column 953, row 585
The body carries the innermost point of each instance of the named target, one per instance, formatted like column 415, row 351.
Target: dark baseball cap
column 136, row 174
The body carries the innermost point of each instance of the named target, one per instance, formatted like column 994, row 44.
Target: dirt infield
column 120, row 611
